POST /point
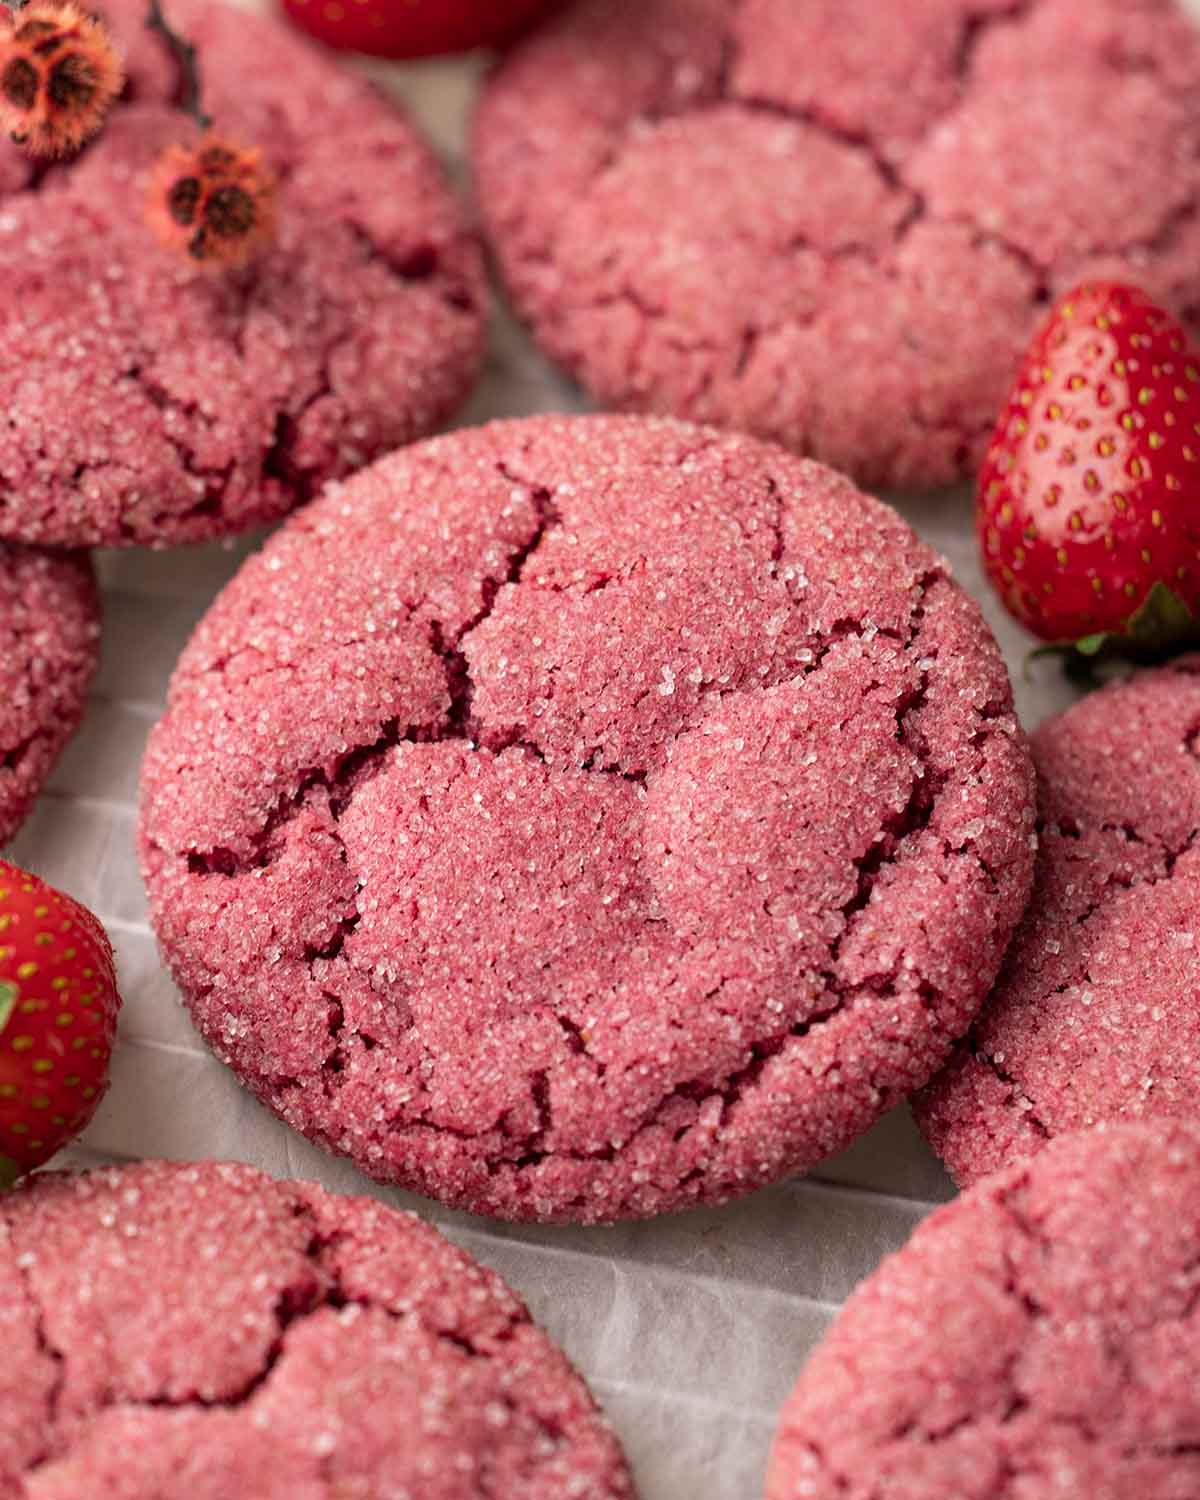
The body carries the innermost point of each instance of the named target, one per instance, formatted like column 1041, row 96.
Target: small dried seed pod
column 213, row 202
column 59, row 74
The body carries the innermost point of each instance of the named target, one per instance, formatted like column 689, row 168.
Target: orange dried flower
column 59, row 73
column 214, row 202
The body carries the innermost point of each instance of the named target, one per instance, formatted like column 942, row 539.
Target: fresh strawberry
column 1089, row 497
column 413, row 28
column 58, row 1016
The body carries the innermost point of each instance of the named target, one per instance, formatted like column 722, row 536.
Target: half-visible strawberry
column 1089, row 496
column 413, row 28
column 58, row 1015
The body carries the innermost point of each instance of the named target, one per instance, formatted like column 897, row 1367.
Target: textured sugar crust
column 202, row 1333
column 1036, row 1338
column 49, row 646
column 585, row 817
column 835, row 223
column 1095, row 1015
column 148, row 402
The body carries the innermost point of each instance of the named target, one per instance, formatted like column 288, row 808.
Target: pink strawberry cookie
column 1095, row 1014
column 149, row 401
column 49, row 642
column 201, row 1333
column 834, row 222
column 579, row 818
column 1036, row 1338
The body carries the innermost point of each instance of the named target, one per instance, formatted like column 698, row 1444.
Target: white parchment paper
column 690, row 1329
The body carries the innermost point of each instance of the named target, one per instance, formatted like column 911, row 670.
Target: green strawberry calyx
column 1162, row 625
column 9, row 994
column 9, row 1171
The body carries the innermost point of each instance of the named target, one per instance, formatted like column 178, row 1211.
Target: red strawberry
column 58, row 1016
column 1089, row 497
column 412, row 28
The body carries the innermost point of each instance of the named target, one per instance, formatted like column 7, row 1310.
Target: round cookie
column 835, row 224
column 49, row 644
column 1095, row 1014
column 577, row 818
column 151, row 402
column 1035, row 1338
column 201, row 1332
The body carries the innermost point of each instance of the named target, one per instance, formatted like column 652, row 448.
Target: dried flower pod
column 214, row 202
column 59, row 73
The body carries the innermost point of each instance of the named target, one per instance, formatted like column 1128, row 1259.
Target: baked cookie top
column 1036, row 1337
column 585, row 817
column 151, row 401
column 1095, row 1014
column 199, row 1332
column 49, row 645
column 836, row 223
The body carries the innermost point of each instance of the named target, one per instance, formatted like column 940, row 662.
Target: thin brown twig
column 185, row 56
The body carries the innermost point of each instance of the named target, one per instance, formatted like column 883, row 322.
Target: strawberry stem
column 9, row 1172
column 185, row 57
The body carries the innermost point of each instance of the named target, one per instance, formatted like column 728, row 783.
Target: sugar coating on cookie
column 202, row 1332
column 585, row 817
column 1035, row 1338
column 49, row 644
column 151, row 401
column 836, row 223
column 1095, row 1014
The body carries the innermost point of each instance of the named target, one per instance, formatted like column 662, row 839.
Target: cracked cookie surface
column 580, row 818
column 49, row 645
column 835, row 224
column 150, row 402
column 1035, row 1338
column 1094, row 1016
column 200, row 1332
